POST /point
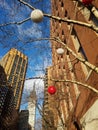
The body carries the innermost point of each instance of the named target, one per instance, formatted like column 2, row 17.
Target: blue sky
column 22, row 37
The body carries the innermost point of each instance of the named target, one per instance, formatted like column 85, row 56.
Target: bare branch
column 78, row 83
column 91, row 66
column 25, row 3
column 91, row 26
column 17, row 23
column 35, row 78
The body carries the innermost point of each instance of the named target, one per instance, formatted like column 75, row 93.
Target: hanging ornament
column 37, row 15
column 87, row 2
column 60, row 51
column 51, row 90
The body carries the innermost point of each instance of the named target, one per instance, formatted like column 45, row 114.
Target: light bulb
column 60, row 50
column 37, row 15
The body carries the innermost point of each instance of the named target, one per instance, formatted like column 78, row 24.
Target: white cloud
column 33, row 31
column 29, row 84
column 28, row 87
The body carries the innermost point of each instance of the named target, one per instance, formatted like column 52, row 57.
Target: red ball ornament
column 87, row 2
column 51, row 90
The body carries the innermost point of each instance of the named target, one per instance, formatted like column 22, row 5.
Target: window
column 63, row 66
column 81, row 50
column 94, row 19
column 62, row 4
column 61, row 56
column 65, row 13
column 58, row 13
column 64, row 40
column 62, row 32
column 16, row 59
column 20, row 60
column 78, row 46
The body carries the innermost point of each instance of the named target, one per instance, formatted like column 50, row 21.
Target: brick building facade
column 72, row 103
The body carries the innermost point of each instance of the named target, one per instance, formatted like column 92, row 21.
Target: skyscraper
column 72, row 102
column 23, row 120
column 15, row 66
column 8, row 114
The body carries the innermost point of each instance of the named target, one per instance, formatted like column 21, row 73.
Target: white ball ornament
column 60, row 51
column 37, row 15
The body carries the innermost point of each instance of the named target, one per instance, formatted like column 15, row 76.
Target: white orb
column 60, row 50
column 37, row 15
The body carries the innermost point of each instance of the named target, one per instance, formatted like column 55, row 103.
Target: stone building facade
column 15, row 66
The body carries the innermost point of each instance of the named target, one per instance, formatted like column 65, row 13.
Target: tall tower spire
column 32, row 107
column 33, row 93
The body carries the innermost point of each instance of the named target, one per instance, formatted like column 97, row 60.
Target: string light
column 60, row 50
column 37, row 15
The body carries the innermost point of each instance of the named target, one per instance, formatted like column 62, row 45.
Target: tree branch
column 78, row 83
column 91, row 66
column 25, row 3
column 91, row 26
column 17, row 23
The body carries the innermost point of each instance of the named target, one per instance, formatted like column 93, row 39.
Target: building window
column 81, row 50
column 63, row 66
column 61, row 56
column 67, row 52
column 62, row 32
column 62, row 4
column 59, row 67
column 20, row 60
column 65, row 13
column 58, row 58
column 78, row 45
column 94, row 19
column 16, row 59
column 58, row 13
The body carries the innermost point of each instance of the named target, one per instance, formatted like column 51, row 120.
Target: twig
column 78, row 83
column 91, row 66
column 17, row 23
column 91, row 26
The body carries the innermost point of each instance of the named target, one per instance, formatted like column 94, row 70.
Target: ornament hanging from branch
column 51, row 90
column 60, row 51
column 37, row 15
column 87, row 2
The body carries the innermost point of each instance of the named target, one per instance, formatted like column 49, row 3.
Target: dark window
column 61, row 56
column 65, row 13
column 62, row 32
column 58, row 14
column 81, row 50
column 64, row 40
column 62, row 4
column 63, row 66
column 16, row 59
column 94, row 19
